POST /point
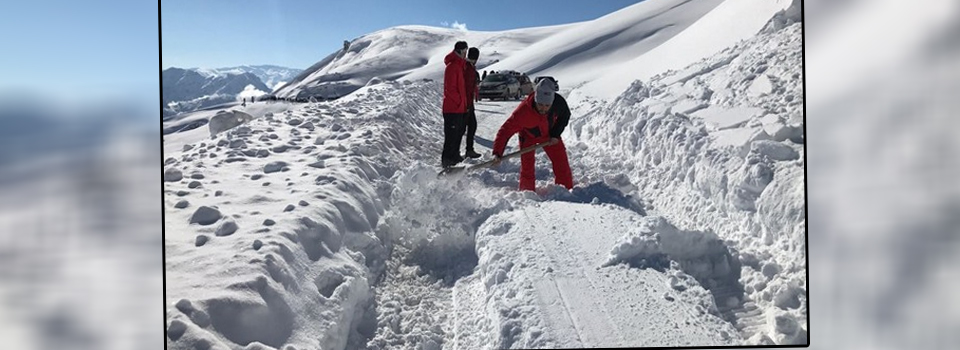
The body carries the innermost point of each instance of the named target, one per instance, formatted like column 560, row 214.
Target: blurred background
column 80, row 167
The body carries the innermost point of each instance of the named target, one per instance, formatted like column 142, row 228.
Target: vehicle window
column 496, row 78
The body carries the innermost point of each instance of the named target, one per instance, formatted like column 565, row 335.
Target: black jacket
column 559, row 116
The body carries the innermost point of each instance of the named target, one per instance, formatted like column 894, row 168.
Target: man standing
column 540, row 117
column 470, row 76
column 455, row 102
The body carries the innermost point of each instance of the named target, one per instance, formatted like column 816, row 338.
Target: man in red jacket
column 540, row 117
column 455, row 102
column 470, row 77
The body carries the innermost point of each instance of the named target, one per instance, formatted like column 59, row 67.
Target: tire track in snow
column 554, row 292
column 588, row 318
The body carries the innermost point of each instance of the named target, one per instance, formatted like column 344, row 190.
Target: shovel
column 454, row 170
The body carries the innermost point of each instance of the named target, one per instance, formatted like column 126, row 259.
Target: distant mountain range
column 186, row 90
column 272, row 76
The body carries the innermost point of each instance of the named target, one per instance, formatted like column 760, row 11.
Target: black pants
column 471, row 127
column 453, row 125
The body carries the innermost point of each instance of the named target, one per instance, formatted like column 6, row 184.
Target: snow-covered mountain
column 272, row 76
column 402, row 53
column 186, row 90
column 329, row 228
column 614, row 47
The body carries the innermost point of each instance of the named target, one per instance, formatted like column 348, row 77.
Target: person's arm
column 476, row 88
column 507, row 130
column 563, row 117
column 450, row 84
column 461, row 89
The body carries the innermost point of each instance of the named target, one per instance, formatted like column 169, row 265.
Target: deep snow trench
column 324, row 225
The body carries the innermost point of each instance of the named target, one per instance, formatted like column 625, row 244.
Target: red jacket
column 454, row 87
column 532, row 126
column 470, row 78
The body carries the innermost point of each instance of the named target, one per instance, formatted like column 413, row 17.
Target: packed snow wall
column 719, row 146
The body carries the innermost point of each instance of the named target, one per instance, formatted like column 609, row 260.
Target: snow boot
column 446, row 163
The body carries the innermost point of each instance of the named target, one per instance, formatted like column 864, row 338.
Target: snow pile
column 709, row 149
column 699, row 256
column 441, row 236
column 656, row 241
column 292, row 224
column 432, row 228
column 226, row 120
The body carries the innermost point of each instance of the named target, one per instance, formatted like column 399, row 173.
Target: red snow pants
column 561, row 166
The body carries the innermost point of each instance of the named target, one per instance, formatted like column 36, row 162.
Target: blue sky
column 110, row 49
column 297, row 34
column 80, row 49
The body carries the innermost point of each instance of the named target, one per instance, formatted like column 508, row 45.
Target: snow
column 728, row 23
column 328, row 226
column 186, row 129
column 719, row 118
column 739, row 139
column 272, row 76
column 575, row 54
column 562, row 263
column 571, row 52
column 402, row 53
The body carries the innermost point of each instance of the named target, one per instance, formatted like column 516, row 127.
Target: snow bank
column 290, row 208
column 695, row 144
column 655, row 238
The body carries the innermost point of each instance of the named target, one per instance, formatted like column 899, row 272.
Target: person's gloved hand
column 496, row 160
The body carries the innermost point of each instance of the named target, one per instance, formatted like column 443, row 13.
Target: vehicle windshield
column 496, row 78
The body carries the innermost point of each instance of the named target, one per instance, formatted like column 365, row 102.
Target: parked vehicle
column 555, row 82
column 526, row 86
column 500, row 85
